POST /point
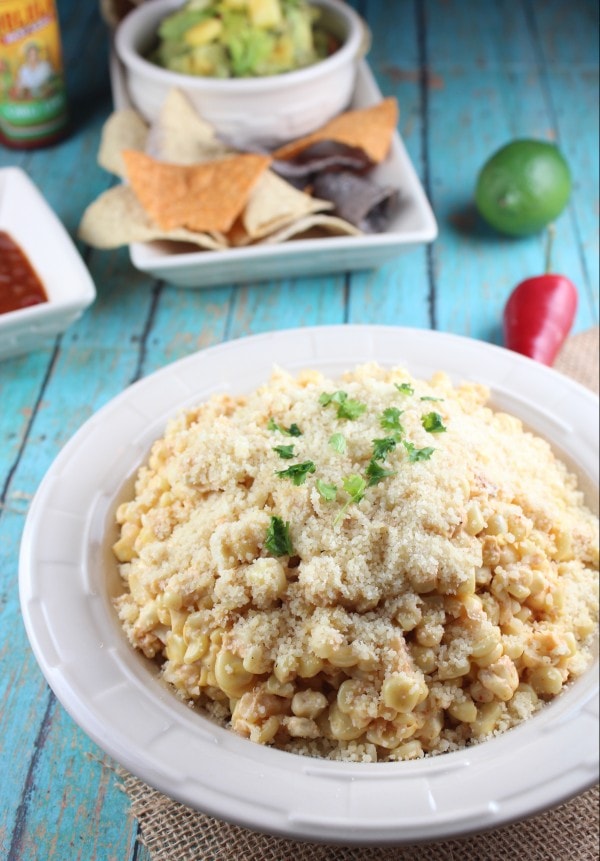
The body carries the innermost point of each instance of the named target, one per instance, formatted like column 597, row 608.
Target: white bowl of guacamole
column 262, row 72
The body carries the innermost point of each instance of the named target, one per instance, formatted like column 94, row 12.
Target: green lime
column 523, row 187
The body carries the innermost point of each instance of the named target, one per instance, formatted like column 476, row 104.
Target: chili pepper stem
column 549, row 248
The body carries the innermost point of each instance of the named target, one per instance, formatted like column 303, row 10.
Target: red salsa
column 20, row 286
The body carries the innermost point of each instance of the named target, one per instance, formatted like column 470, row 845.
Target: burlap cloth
column 173, row 832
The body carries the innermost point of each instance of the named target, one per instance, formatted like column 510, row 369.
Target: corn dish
column 370, row 569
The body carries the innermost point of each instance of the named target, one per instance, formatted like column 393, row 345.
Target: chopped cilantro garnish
column 429, row 398
column 382, row 447
column 298, row 473
column 293, row 430
column 376, row 473
column 277, row 540
column 433, row 423
column 285, row 451
column 355, row 486
column 351, row 410
column 335, row 398
column 415, row 454
column 327, row 491
column 347, row 408
column 338, row 443
column 390, row 420
column 405, row 388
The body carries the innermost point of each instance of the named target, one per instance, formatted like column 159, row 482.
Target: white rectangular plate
column 414, row 225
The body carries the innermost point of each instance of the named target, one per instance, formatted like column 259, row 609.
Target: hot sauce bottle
column 33, row 101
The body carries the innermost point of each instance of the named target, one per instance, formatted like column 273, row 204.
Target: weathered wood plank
column 567, row 32
column 86, row 815
column 461, row 34
column 398, row 292
column 480, row 107
column 183, row 322
column 47, row 395
column 287, row 304
column 574, row 94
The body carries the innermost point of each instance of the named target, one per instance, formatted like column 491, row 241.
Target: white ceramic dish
column 29, row 220
column 413, row 225
column 260, row 111
column 67, row 576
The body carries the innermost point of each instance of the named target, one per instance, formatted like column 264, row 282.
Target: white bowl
column 67, row 575
column 264, row 111
column 28, row 219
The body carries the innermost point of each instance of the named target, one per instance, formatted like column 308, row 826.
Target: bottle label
column 33, row 104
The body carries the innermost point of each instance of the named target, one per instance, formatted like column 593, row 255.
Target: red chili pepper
column 539, row 315
column 540, row 312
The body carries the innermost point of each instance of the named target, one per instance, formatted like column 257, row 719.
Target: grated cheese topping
column 372, row 568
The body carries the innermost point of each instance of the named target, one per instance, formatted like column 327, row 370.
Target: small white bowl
column 264, row 111
column 29, row 220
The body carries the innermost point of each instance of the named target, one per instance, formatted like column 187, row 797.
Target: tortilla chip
column 238, row 236
column 116, row 218
column 329, row 224
column 181, row 136
column 358, row 199
column 369, row 129
column 321, row 157
column 204, row 197
column 219, row 238
column 275, row 203
column 122, row 130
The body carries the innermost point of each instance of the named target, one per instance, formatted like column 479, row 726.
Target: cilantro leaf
column 298, row 473
column 351, row 410
column 382, row 447
column 433, row 423
column 390, row 420
column 286, row 452
column 415, row 454
column 335, row 398
column 293, row 430
column 327, row 491
column 405, row 388
column 355, row 486
column 347, row 408
column 338, row 443
column 277, row 539
column 376, row 473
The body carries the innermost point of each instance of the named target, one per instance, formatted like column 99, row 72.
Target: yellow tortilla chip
column 275, row 203
column 328, row 224
column 370, row 129
column 204, row 197
column 181, row 136
column 122, row 130
column 238, row 236
column 116, row 218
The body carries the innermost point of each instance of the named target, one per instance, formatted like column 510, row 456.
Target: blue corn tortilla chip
column 357, row 199
column 321, row 157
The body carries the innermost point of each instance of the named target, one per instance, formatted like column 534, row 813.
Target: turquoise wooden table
column 469, row 76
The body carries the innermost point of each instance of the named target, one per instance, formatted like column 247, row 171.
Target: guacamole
column 241, row 38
